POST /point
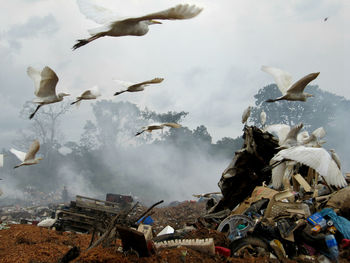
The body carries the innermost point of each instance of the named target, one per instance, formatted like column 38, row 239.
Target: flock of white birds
column 295, row 146
column 298, row 147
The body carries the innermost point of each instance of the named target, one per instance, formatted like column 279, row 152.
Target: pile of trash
column 304, row 219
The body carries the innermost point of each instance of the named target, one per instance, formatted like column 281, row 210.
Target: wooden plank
column 108, row 209
column 302, row 182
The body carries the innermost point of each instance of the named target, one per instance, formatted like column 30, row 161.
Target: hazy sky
column 211, row 64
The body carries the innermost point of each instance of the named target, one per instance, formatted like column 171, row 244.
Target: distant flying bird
column 45, row 82
column 152, row 127
column 335, row 158
column 290, row 91
column 136, row 26
column 246, row 114
column 316, row 158
column 324, row 20
column 29, row 157
column 263, row 117
column 135, row 87
column 90, row 94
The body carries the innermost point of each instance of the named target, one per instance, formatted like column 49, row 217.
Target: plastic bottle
column 332, row 246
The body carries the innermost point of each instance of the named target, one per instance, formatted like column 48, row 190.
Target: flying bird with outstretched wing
column 29, row 157
column 136, row 87
column 135, row 26
column 290, row 91
column 45, row 82
column 157, row 126
column 90, row 94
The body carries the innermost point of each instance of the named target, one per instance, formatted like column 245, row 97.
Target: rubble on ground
column 306, row 220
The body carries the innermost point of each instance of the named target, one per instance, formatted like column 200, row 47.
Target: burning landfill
column 277, row 203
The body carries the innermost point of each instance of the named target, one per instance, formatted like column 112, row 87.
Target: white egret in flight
column 290, row 91
column 246, row 114
column 135, row 26
column 152, row 127
column 29, row 157
column 45, row 82
column 135, row 87
column 316, row 158
column 90, row 94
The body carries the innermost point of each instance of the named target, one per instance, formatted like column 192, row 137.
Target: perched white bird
column 29, row 157
column 316, row 158
column 335, row 158
column 281, row 130
column 135, row 87
column 280, row 172
column 152, row 127
column 49, row 222
column 290, row 91
column 90, row 94
column 263, row 117
column 291, row 138
column 246, row 114
column 45, row 82
column 136, row 26
column 314, row 140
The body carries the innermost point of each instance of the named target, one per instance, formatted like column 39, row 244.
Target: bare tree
column 44, row 127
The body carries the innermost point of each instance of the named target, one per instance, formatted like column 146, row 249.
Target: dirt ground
column 32, row 244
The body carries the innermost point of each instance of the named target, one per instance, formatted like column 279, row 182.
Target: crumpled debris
column 4, row 226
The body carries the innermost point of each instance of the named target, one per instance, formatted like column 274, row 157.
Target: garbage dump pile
column 269, row 210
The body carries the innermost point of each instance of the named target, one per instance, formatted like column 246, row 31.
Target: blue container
column 332, row 246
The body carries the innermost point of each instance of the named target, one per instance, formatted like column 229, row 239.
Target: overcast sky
column 211, row 63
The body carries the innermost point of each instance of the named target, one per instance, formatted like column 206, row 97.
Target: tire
column 252, row 245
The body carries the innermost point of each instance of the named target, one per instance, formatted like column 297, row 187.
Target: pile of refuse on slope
column 272, row 208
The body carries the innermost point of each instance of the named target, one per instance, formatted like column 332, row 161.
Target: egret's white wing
column 293, row 132
column 86, row 93
column 95, row 91
column 280, row 129
column 316, row 158
column 33, row 149
column 48, row 83
column 319, row 132
column 1, row 160
column 35, row 75
column 123, row 83
column 152, row 81
column 277, row 175
column 181, row 11
column 20, row 155
column 172, row 125
column 302, row 136
column 99, row 14
column 299, row 86
column 282, row 78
